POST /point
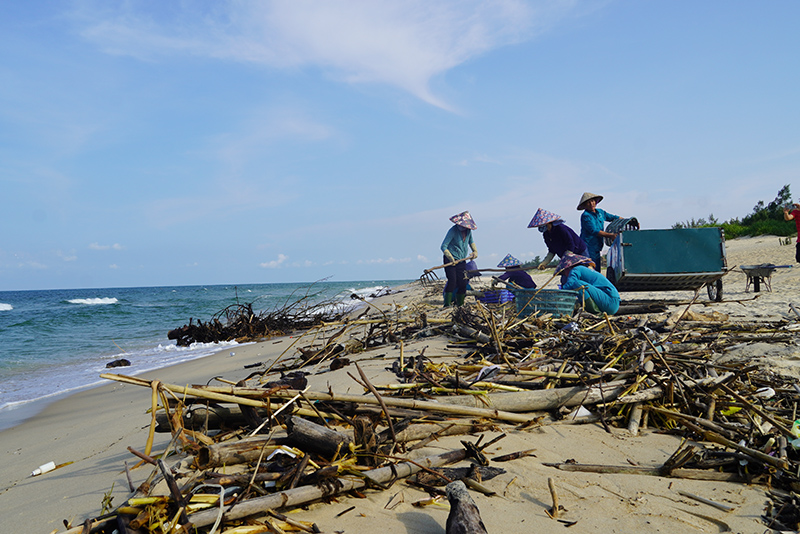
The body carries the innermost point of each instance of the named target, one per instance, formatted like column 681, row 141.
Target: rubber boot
column 591, row 307
column 460, row 298
column 448, row 299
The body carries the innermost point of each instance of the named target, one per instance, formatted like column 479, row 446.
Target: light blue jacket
column 591, row 223
column 458, row 246
column 593, row 285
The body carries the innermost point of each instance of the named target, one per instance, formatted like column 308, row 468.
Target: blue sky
column 149, row 143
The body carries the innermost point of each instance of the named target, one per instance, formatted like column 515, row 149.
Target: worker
column 558, row 237
column 592, row 224
column 795, row 216
column 458, row 248
column 515, row 273
column 598, row 293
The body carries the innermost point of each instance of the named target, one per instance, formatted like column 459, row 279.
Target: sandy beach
column 93, row 429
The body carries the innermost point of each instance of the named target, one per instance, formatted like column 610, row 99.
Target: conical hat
column 509, row 261
column 543, row 217
column 464, row 219
column 588, row 196
column 570, row 260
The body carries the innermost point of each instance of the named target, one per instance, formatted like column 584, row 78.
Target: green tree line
column 766, row 219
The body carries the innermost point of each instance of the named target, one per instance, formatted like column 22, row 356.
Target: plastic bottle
column 44, row 468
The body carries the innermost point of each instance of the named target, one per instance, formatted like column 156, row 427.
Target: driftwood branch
column 307, row 494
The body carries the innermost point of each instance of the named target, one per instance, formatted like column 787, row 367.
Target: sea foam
column 94, row 301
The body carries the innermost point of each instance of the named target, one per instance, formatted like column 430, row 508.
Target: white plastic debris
column 44, row 468
column 764, row 393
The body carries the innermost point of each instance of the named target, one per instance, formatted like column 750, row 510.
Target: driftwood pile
column 242, row 322
column 268, row 443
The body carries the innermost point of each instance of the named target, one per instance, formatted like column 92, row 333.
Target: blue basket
column 496, row 297
column 555, row 301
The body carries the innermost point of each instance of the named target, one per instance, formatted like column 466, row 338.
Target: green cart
column 669, row 260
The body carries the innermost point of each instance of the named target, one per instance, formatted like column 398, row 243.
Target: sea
column 56, row 342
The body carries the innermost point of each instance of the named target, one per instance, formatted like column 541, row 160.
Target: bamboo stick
column 305, row 494
column 552, row 485
column 635, row 419
column 210, row 393
column 526, row 401
column 691, row 474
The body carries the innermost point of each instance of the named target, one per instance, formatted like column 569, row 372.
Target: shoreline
column 93, row 428
column 15, row 408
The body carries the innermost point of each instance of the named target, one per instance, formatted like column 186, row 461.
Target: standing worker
column 795, row 216
column 592, row 224
column 558, row 237
column 458, row 247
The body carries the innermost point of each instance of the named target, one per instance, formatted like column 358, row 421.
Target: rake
column 430, row 277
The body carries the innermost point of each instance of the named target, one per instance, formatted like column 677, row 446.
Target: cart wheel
column 715, row 290
column 611, row 275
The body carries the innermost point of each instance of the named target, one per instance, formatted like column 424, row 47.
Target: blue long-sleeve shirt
column 519, row 277
column 458, row 245
column 594, row 285
column 561, row 238
column 591, row 223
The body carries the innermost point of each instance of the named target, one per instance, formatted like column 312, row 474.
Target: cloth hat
column 586, row 197
column 464, row 219
column 570, row 260
column 543, row 217
column 509, row 261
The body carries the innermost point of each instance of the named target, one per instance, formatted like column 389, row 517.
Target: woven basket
column 555, row 301
column 499, row 296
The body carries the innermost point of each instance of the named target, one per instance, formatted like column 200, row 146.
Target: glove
column 546, row 261
column 474, row 254
column 449, row 256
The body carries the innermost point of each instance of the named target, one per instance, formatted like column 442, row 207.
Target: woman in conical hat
column 599, row 295
column 458, row 247
column 558, row 237
column 515, row 273
column 593, row 222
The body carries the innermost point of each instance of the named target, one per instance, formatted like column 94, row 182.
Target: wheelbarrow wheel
column 715, row 290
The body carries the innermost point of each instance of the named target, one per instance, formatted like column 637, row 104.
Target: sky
column 151, row 143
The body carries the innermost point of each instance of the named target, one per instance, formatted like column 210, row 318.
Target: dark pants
column 456, row 277
column 797, row 252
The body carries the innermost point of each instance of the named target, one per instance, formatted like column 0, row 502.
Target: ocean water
column 59, row 341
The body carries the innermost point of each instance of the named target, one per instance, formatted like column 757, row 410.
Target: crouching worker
column 599, row 295
column 515, row 273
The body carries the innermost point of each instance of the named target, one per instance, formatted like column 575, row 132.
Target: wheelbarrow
column 758, row 274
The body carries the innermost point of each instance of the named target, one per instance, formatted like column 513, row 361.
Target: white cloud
column 32, row 264
column 274, row 264
column 384, row 261
column 98, row 246
column 402, row 43
column 71, row 256
column 478, row 158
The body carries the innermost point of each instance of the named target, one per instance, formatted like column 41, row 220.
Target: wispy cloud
column 399, row 43
column 274, row 264
column 478, row 158
column 98, row 246
column 384, row 261
column 263, row 128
